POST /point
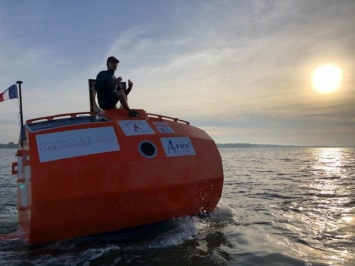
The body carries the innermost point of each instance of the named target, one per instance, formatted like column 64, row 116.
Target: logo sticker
column 163, row 127
column 135, row 127
column 179, row 146
column 75, row 143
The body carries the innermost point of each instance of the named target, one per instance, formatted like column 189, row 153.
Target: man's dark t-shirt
column 105, row 89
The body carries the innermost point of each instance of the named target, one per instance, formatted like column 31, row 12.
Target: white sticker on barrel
column 163, row 127
column 135, row 127
column 178, row 146
column 75, row 143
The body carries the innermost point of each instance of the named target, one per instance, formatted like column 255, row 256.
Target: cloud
column 128, row 39
column 237, row 68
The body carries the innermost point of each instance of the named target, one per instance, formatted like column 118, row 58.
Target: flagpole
column 21, row 115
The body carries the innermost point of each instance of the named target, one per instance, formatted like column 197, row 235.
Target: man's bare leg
column 123, row 100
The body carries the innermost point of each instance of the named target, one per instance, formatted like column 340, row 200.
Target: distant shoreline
column 248, row 145
column 12, row 145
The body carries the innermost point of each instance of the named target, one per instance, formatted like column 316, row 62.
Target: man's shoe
column 134, row 113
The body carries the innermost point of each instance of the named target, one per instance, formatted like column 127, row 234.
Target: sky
column 239, row 69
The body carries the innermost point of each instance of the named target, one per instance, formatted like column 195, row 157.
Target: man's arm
column 105, row 82
column 130, row 86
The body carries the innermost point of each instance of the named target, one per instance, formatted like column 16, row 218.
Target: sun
column 327, row 78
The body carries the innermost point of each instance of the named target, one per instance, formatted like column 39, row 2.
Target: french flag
column 10, row 93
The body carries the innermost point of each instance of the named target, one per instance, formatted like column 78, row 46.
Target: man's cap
column 113, row 59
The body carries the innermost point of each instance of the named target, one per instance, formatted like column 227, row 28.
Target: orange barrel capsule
column 82, row 175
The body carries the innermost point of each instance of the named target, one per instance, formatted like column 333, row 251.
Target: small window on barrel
column 148, row 149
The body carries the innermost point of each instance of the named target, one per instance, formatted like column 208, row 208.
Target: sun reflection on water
column 328, row 161
column 321, row 221
column 329, row 192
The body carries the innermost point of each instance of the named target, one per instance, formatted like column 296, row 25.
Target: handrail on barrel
column 177, row 120
column 49, row 118
column 72, row 115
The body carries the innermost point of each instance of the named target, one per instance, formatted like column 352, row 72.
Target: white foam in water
column 222, row 211
column 83, row 257
column 186, row 228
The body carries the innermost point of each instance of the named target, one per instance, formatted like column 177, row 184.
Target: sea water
column 280, row 206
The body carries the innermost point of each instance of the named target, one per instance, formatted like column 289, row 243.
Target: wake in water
column 17, row 235
column 200, row 235
column 187, row 228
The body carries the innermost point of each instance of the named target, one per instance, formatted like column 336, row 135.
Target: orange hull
column 78, row 176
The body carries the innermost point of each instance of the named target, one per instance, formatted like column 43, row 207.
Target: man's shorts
column 109, row 103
